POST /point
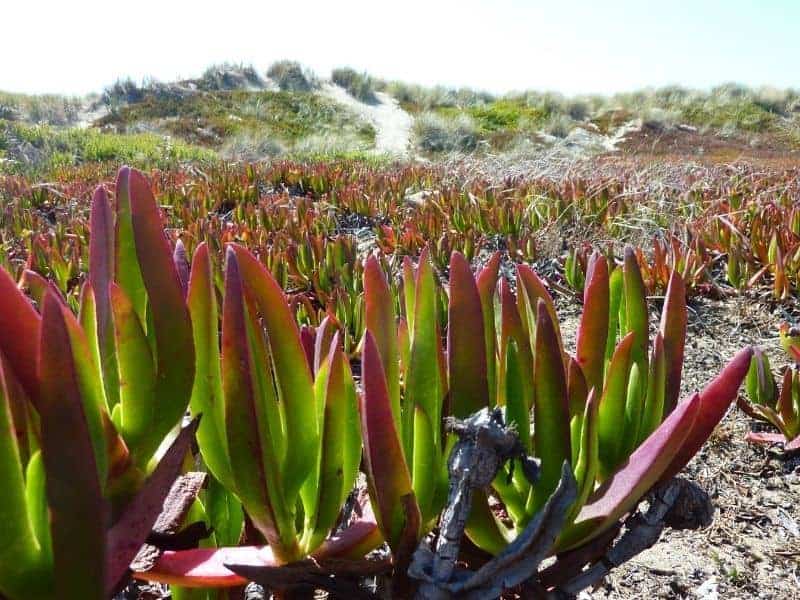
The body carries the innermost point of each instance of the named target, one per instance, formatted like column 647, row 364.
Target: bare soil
column 752, row 549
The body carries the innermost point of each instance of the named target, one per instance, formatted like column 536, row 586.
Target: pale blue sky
column 572, row 46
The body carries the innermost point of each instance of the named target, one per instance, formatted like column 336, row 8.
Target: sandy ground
column 752, row 548
column 392, row 124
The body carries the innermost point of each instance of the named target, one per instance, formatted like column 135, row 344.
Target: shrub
column 434, row 133
column 290, row 76
column 230, row 77
column 358, row 85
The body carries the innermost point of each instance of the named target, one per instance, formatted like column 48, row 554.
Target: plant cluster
column 292, row 400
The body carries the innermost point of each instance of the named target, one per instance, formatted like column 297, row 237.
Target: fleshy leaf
column 387, row 471
column 380, row 320
column 78, row 515
column 466, row 342
column 593, row 330
column 174, row 355
column 673, row 329
column 550, row 407
column 101, row 274
column 623, row 489
column 291, row 371
column 715, row 399
column 612, row 407
column 134, row 525
column 207, row 391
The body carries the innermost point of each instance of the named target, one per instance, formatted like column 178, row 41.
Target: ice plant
column 776, row 405
column 280, row 428
column 611, row 411
column 78, row 432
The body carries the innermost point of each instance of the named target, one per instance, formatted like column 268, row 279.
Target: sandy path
column 392, row 124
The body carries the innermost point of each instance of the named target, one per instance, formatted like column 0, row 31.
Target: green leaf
column 550, row 408
column 291, row 371
column 101, row 274
column 656, row 388
column 612, row 407
column 487, row 285
column 172, row 327
column 466, row 342
column 138, row 419
column 20, row 551
column 636, row 310
column 207, row 391
column 424, row 387
column 673, row 329
column 224, row 513
column 126, row 262
column 380, row 319
column 387, row 472
column 20, row 325
column 593, row 329
column 131, row 529
column 255, row 466
column 78, row 515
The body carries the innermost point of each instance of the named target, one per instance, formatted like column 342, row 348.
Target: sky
column 571, row 46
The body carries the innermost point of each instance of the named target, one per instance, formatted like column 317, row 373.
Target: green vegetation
column 211, row 118
column 358, row 85
column 42, row 148
column 48, row 108
column 290, row 76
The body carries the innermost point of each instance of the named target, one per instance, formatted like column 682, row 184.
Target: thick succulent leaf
column 636, row 310
column 673, row 328
column 588, row 460
column 426, row 464
column 530, row 289
column 511, row 329
column 291, row 371
column 252, row 451
column 593, row 330
column 483, row 528
column 327, row 329
column 174, row 355
column 137, row 419
column 380, row 319
column 387, row 471
column 715, row 399
column 425, row 386
column 612, row 407
column 635, row 398
column 224, row 512
column 39, row 513
column 656, row 390
column 616, row 296
column 134, row 525
column 622, row 490
column 518, row 395
column 466, row 342
column 787, row 402
column 550, row 408
column 325, row 493
column 20, row 325
column 578, row 396
column 487, row 285
column 410, row 287
column 759, row 382
column 207, row 391
column 78, row 514
column 19, row 552
column 101, row 274
column 126, row 263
